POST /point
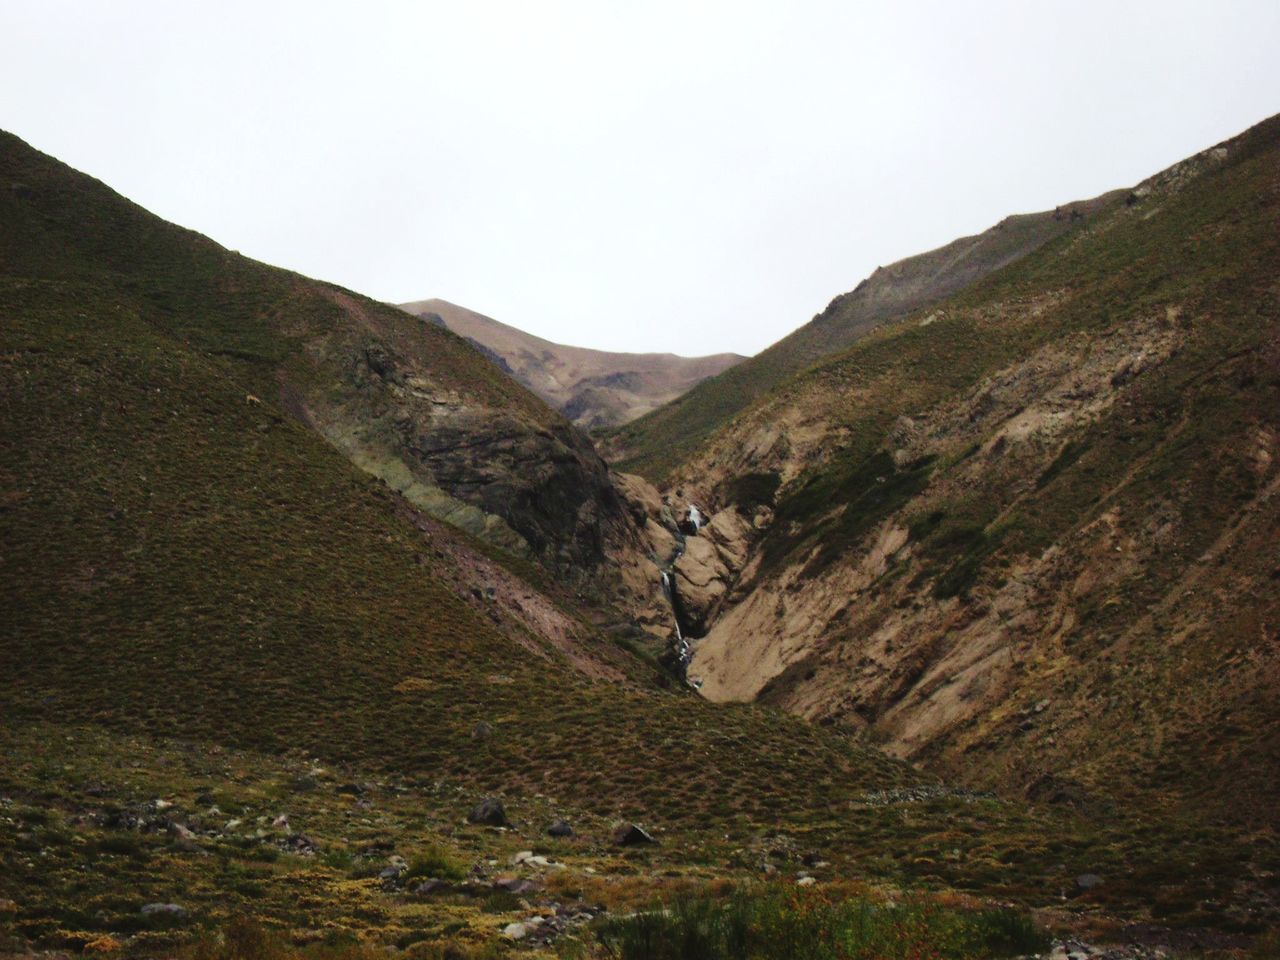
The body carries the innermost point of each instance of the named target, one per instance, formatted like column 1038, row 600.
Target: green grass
column 788, row 924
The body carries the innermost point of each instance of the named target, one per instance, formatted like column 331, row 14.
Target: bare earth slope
column 1029, row 534
column 593, row 388
column 653, row 445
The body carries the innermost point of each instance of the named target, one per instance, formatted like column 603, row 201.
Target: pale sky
column 689, row 176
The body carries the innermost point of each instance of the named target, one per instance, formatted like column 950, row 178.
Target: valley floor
column 172, row 841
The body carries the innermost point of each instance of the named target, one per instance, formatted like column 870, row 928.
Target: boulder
column 560, row 828
column 489, row 812
column 630, row 835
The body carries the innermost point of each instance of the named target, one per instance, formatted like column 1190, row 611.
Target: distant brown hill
column 593, row 388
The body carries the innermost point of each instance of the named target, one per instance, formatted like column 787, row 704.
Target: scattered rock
column 517, row 885
column 299, row 843
column 483, row 730
column 521, row 857
column 806, row 882
column 1087, row 881
column 164, row 910
column 515, row 931
column 489, row 813
column 560, row 829
column 630, row 835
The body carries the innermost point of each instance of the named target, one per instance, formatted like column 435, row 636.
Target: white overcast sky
column 687, row 176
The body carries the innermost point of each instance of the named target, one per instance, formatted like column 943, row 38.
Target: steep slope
column 405, row 400
column 655, row 444
column 1028, row 534
column 593, row 388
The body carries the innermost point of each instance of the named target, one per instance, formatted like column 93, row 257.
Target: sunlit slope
column 1028, row 534
column 655, row 444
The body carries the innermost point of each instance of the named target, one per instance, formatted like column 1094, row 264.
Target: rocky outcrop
column 520, row 477
column 708, row 567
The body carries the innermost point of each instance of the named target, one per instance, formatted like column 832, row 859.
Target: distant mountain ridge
column 593, row 388
column 655, row 444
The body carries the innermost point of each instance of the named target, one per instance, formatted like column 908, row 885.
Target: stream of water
column 684, row 651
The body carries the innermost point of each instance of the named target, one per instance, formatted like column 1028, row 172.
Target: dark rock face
column 544, row 481
column 489, row 813
column 630, row 835
column 551, row 487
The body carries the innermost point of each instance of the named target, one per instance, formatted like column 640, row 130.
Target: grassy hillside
column 654, row 445
column 406, row 400
column 1028, row 534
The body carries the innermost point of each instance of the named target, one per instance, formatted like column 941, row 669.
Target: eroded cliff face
column 1028, row 534
column 503, row 468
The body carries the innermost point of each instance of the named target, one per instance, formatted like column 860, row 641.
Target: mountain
column 302, row 652
column 250, row 692
column 592, row 388
column 656, row 443
column 1026, row 535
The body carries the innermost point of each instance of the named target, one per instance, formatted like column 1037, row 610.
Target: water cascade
column 683, row 650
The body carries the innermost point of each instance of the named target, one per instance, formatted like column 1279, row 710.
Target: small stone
column 521, row 857
column 515, row 931
column 164, row 910
column 806, row 882
column 560, row 829
column 1087, row 881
